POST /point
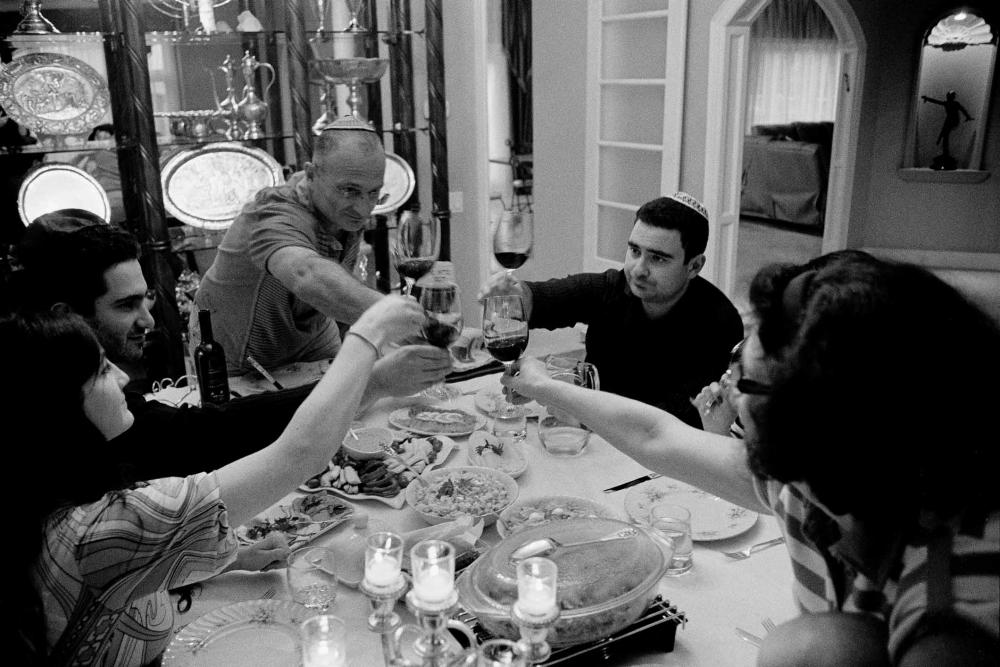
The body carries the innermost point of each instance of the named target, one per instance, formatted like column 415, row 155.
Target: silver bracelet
column 378, row 353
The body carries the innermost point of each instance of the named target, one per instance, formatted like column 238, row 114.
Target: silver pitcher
column 229, row 106
column 252, row 109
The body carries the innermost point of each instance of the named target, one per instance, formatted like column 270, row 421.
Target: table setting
column 710, row 599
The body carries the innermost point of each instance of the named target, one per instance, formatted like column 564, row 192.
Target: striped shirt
column 106, row 567
column 908, row 580
column 252, row 311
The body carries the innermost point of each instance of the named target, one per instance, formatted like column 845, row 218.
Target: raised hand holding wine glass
column 443, row 324
column 418, row 242
column 505, row 333
column 513, row 239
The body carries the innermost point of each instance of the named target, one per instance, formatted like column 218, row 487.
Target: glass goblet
column 505, row 333
column 513, row 239
column 442, row 326
column 418, row 242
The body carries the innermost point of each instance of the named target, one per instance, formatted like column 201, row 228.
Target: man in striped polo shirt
column 282, row 276
column 860, row 393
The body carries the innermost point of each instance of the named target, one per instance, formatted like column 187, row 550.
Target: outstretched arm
column 651, row 436
column 322, row 283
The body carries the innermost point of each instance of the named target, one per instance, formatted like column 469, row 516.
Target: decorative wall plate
column 53, row 93
column 207, row 186
column 397, row 186
column 54, row 186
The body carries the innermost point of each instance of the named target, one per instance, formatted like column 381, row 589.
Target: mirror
column 953, row 92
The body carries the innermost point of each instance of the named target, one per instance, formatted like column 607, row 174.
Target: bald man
column 282, row 277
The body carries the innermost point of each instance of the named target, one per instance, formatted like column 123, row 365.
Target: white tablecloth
column 717, row 595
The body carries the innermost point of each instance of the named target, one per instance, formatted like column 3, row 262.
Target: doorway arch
column 729, row 45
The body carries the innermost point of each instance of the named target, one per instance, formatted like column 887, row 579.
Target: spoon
column 546, row 545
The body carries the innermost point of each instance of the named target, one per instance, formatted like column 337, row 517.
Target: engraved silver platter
column 397, row 185
column 53, row 93
column 56, row 186
column 207, row 186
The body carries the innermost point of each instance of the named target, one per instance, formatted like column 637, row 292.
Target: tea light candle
column 536, row 586
column 323, row 654
column 433, row 564
column 382, row 570
column 323, row 642
column 435, row 585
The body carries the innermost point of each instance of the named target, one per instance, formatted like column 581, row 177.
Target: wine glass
column 417, row 245
column 505, row 333
column 513, row 238
column 442, row 326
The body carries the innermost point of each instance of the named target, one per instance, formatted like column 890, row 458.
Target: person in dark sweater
column 656, row 330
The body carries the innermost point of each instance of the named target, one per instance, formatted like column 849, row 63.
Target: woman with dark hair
column 859, row 392
column 97, row 555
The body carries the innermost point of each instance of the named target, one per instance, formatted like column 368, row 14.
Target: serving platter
column 712, row 518
column 397, row 184
column 430, row 420
column 206, row 186
column 56, row 186
column 300, row 522
column 53, row 93
column 531, row 512
column 253, row 632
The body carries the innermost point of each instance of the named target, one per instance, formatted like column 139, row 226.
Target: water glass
column 510, row 423
column 563, row 436
column 501, row 653
column 673, row 522
column 312, row 577
column 324, row 641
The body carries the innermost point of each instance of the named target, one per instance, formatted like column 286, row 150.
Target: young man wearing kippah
column 656, row 330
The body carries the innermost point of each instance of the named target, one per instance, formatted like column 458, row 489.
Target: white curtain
column 793, row 68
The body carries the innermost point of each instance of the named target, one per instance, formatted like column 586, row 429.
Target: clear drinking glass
column 505, row 333
column 442, row 326
column 418, row 242
column 513, row 239
column 561, row 433
column 673, row 522
column 312, row 577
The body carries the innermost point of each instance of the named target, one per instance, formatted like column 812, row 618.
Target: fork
column 745, row 553
column 268, row 594
column 768, row 624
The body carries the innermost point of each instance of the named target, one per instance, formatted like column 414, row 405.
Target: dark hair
column 63, row 257
column 106, row 127
column 51, row 358
column 879, row 373
column 668, row 213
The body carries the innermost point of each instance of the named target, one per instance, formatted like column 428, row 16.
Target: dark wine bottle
column 210, row 364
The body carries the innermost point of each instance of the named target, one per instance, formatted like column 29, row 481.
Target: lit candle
column 435, row 584
column 323, row 654
column 536, row 586
column 382, row 570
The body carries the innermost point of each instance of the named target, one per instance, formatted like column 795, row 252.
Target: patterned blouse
column 106, row 567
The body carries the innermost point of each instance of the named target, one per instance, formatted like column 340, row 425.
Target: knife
column 263, row 371
column 637, row 480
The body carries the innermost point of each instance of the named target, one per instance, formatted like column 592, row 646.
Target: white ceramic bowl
column 473, row 494
column 368, row 443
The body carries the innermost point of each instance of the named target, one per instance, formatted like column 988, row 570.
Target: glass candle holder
column 383, row 561
column 536, row 587
column 433, row 570
column 324, row 641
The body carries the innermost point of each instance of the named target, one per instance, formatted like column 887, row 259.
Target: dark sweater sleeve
column 565, row 302
column 167, row 441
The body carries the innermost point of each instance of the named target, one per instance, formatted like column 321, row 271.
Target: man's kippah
column 349, row 123
column 690, row 202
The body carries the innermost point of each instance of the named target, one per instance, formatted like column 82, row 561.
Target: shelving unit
column 134, row 59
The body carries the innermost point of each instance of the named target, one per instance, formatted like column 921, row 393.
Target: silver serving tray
column 397, row 185
column 207, row 186
column 55, row 186
column 53, row 93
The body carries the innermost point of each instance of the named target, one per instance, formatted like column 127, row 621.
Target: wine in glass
column 442, row 326
column 513, row 238
column 417, row 245
column 505, row 333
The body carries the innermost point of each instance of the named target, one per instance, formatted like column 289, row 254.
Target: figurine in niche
column 952, row 107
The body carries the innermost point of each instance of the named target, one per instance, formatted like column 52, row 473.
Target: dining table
column 717, row 596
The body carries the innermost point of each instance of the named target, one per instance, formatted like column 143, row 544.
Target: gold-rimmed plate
column 254, row 632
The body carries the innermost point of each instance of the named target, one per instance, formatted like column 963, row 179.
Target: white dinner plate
column 511, row 459
column 255, row 632
column 401, row 419
column 712, row 518
column 487, row 399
